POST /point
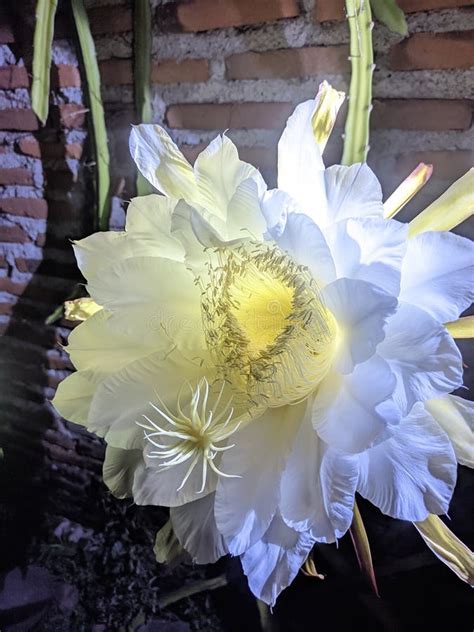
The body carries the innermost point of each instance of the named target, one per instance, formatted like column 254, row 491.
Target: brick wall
column 239, row 65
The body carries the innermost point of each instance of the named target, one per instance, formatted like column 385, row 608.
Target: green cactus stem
column 142, row 56
column 91, row 70
column 43, row 48
column 356, row 134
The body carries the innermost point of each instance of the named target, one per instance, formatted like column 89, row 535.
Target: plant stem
column 192, row 589
column 356, row 135
column 142, row 56
column 42, row 53
column 99, row 130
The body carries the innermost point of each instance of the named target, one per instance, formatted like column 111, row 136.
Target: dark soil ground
column 101, row 576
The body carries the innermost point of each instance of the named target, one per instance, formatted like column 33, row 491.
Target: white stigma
column 192, row 436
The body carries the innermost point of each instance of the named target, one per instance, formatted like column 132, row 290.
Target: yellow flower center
column 266, row 324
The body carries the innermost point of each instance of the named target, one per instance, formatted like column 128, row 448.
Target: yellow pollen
column 261, row 306
column 266, row 325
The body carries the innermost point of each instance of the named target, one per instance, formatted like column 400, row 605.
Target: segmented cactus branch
column 356, row 135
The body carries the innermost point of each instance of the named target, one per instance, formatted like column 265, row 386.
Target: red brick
column 422, row 114
column 29, row 146
column 6, row 309
column 174, row 71
column 26, row 207
column 260, row 157
column 448, row 165
column 74, row 150
column 191, row 152
column 434, row 51
column 204, row 15
column 41, row 240
column 13, row 234
column 66, row 76
column 334, row 9
column 116, row 72
column 6, row 33
column 12, row 77
column 27, row 265
column 287, row 63
column 228, row 115
column 18, row 119
column 72, row 114
column 109, row 20
column 413, row 6
column 326, row 10
column 16, row 175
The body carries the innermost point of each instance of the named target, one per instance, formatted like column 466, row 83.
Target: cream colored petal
column 74, row 396
column 80, row 309
column 95, row 346
column 153, row 300
column 300, row 163
column 149, row 221
column 407, row 190
column 219, row 171
column 453, row 207
column 456, row 416
column 462, row 327
column 161, row 162
column 244, row 216
column 447, row 547
column 328, row 102
column 124, row 397
column 119, row 470
column 147, row 234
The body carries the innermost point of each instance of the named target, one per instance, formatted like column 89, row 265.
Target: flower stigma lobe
column 195, row 433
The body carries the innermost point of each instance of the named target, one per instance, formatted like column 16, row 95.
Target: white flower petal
column 438, row 274
column 276, row 206
column 219, row 171
column 361, row 310
column 119, row 470
column 153, row 300
column 300, row 164
column 123, row 397
column 148, row 234
column 339, row 477
column 161, row 162
column 456, row 416
column 195, row 527
column 244, row 215
column 317, row 487
column 93, row 345
column 353, row 412
column 155, row 486
column 413, row 473
column 273, row 562
column 74, row 396
column 245, row 506
column 305, row 243
column 369, row 249
column 149, row 220
column 352, row 192
column 422, row 356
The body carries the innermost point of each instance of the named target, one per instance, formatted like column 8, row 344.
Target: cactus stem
column 356, row 136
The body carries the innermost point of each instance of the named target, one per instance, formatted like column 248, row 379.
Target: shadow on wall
column 43, row 469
